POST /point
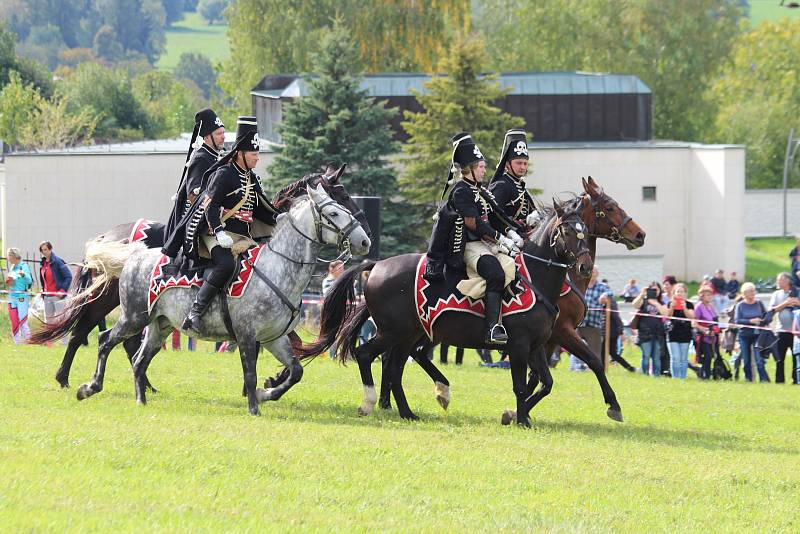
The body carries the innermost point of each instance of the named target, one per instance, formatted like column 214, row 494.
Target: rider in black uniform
column 508, row 184
column 208, row 127
column 218, row 224
column 470, row 240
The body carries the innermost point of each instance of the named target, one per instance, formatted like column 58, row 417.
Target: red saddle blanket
column 160, row 283
column 435, row 299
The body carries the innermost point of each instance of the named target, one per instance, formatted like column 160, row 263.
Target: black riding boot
column 204, row 297
column 495, row 333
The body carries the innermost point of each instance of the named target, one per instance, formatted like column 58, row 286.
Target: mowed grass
column 690, row 456
column 766, row 257
column 192, row 34
column 772, row 10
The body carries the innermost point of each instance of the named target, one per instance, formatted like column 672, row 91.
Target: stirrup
column 497, row 337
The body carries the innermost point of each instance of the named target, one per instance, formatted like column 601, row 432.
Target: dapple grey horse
column 263, row 315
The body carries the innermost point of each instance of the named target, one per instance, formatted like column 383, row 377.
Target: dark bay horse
column 77, row 319
column 604, row 218
column 390, row 300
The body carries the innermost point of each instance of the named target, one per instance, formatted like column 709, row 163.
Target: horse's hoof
column 255, row 412
column 269, row 383
column 525, row 424
column 64, row 385
column 151, row 388
column 141, row 402
column 410, row 416
column 508, row 417
column 362, row 412
column 442, row 392
column 385, row 405
column 616, row 415
column 263, row 395
column 84, row 392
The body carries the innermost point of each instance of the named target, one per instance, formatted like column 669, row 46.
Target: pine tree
column 337, row 122
column 460, row 101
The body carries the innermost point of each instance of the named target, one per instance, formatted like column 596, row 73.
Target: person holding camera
column 680, row 331
column 783, row 302
column 750, row 312
column 650, row 326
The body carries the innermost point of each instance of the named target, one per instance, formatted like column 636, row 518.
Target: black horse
column 77, row 319
column 558, row 244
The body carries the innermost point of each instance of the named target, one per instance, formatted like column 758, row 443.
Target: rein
column 600, row 215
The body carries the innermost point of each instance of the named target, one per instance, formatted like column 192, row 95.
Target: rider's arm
column 218, row 188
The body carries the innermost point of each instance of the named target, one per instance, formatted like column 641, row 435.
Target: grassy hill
column 761, row 10
column 192, row 34
column 766, row 257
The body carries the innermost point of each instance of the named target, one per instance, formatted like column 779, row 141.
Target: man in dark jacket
column 209, row 128
column 55, row 279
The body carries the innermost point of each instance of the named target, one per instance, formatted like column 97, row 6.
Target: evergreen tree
column 337, row 122
column 461, row 101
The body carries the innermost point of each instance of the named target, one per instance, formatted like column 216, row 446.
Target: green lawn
column 761, row 10
column 766, row 257
column 192, row 34
column 715, row 457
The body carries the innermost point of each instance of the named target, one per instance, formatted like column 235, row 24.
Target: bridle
column 560, row 237
column 323, row 222
column 615, row 234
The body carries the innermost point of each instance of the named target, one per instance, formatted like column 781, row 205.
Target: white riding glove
column 224, row 240
column 507, row 246
column 514, row 236
column 532, row 218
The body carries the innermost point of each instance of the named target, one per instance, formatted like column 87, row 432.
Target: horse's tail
column 337, row 309
column 346, row 343
column 105, row 260
column 63, row 323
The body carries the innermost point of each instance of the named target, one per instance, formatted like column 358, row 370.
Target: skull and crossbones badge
column 521, row 149
column 255, row 141
column 218, row 122
column 477, row 152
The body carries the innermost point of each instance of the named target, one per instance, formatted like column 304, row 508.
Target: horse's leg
column 441, row 386
column 385, row 397
column 575, row 345
column 76, row 337
column 132, row 345
column 398, row 363
column 539, row 362
column 108, row 340
column 248, row 352
column 281, row 348
column 365, row 355
column 519, row 366
column 156, row 333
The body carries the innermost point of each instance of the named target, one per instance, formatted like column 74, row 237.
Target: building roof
column 178, row 145
column 518, row 83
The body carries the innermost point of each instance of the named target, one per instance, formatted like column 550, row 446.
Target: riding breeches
column 223, row 265
column 486, row 270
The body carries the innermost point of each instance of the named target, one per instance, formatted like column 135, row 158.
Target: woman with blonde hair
column 18, row 281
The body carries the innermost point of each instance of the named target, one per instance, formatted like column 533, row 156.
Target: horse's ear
column 315, row 195
column 595, row 186
column 338, row 174
column 592, row 187
column 557, row 208
column 585, row 184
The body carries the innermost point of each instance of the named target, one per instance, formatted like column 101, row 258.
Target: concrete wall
column 763, row 212
column 695, row 221
column 70, row 198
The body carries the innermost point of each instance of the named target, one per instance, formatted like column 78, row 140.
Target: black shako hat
column 206, row 121
column 246, row 141
column 515, row 146
column 465, row 153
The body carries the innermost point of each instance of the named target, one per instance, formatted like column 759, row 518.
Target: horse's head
column 330, row 180
column 568, row 239
column 605, row 218
column 336, row 225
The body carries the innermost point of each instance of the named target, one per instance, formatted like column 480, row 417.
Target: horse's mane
column 283, row 199
column 547, row 212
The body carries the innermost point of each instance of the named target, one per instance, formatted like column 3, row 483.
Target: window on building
column 649, row 192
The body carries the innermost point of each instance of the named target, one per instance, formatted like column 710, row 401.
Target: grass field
column 766, row 257
column 691, row 456
column 772, row 10
column 192, row 34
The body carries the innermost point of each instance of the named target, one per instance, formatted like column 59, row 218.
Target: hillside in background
column 192, row 34
column 772, row 10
